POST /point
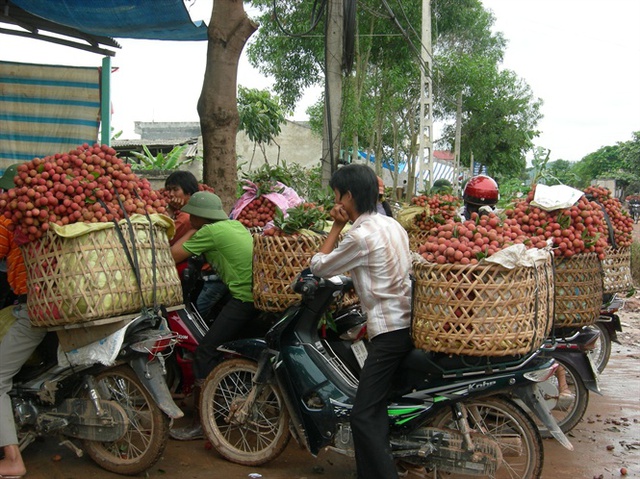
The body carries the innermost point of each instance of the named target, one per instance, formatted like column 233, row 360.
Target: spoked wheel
column 568, row 410
column 148, row 432
column 602, row 352
column 514, row 431
column 250, row 436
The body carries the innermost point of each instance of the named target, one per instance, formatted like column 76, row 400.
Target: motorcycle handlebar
column 306, row 283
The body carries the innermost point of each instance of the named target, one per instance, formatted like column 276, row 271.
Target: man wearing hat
column 19, row 342
column 228, row 246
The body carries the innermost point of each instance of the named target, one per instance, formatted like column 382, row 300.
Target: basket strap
column 153, row 255
column 612, row 239
column 132, row 263
column 555, row 312
column 134, row 251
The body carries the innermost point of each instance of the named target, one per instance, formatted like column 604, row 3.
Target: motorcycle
column 634, row 210
column 191, row 326
column 448, row 414
column 570, row 349
column 608, row 324
column 119, row 414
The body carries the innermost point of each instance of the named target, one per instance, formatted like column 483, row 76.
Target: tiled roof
column 443, row 155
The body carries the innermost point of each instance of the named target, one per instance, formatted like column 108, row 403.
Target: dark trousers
column 6, row 295
column 226, row 327
column 369, row 419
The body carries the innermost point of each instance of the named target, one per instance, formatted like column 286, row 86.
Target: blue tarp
column 141, row 19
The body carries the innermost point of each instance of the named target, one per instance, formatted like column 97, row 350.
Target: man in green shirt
column 228, row 246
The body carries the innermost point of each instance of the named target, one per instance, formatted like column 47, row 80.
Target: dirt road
column 607, row 439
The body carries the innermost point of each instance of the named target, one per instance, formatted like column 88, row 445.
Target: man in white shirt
column 376, row 252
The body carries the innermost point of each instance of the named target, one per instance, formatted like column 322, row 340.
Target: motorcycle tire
column 570, row 414
column 506, row 423
column 602, row 352
column 264, row 432
column 148, row 433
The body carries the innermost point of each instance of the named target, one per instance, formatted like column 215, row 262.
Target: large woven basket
column 616, row 268
column 88, row 277
column 578, row 282
column 276, row 262
column 417, row 238
column 482, row 309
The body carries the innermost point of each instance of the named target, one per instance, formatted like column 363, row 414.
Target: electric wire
column 317, row 10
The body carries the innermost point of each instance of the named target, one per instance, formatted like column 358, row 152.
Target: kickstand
column 26, row 440
column 72, row 446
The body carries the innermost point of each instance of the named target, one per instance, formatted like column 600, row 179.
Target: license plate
column 360, row 351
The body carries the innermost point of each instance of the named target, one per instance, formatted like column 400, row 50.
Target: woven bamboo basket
column 578, row 282
column 88, row 277
column 276, row 262
column 417, row 238
column 482, row 309
column 616, row 268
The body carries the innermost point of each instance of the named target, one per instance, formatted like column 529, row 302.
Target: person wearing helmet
column 480, row 196
column 228, row 246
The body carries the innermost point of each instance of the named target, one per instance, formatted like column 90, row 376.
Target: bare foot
column 12, row 464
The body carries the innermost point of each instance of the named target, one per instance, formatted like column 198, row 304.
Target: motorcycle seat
column 440, row 363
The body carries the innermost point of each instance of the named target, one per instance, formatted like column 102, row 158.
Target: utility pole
column 426, row 100
column 334, row 49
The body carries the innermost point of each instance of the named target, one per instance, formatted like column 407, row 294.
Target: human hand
column 339, row 215
column 177, row 202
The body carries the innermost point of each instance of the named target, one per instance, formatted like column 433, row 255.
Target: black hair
column 362, row 182
column 183, row 179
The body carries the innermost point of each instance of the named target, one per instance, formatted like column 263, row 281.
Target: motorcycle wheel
column 602, row 352
column 569, row 413
column 506, row 423
column 264, row 433
column 148, row 432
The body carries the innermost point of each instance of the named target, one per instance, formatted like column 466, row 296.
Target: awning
column 99, row 21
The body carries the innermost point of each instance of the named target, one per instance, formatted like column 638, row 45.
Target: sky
column 581, row 57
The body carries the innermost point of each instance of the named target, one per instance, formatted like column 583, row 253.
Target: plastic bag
column 104, row 351
column 284, row 198
column 518, row 255
column 557, row 197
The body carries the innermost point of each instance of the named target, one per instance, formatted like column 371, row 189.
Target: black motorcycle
column 118, row 414
column 634, row 211
column 571, row 350
column 448, row 414
column 608, row 324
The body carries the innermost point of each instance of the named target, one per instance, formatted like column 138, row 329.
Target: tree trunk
column 228, row 32
column 334, row 48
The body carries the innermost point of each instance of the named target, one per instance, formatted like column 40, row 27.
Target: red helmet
column 481, row 190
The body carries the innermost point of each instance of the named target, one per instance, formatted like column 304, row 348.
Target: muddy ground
column 606, row 441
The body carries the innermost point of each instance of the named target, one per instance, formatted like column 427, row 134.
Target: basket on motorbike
column 578, row 283
column 276, row 262
column 481, row 309
column 417, row 238
column 410, row 217
column 616, row 267
column 82, row 272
